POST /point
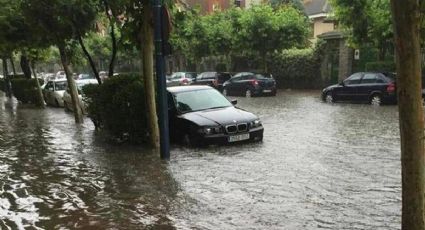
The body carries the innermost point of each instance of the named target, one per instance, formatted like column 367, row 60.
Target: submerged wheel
column 329, row 98
column 248, row 93
column 57, row 103
column 376, row 100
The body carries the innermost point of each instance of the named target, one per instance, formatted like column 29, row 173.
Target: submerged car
column 200, row 115
column 370, row 87
column 250, row 84
column 53, row 92
column 67, row 95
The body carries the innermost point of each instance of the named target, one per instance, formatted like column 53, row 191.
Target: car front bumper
column 255, row 134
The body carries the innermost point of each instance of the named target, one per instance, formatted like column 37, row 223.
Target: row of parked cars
column 57, row 93
column 240, row 84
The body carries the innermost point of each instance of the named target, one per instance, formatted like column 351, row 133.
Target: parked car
column 85, row 76
column 213, row 79
column 67, row 95
column 249, row 84
column 53, row 92
column 181, row 78
column 200, row 115
column 371, row 87
column 60, row 75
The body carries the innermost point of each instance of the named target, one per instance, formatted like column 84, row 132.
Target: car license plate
column 241, row 137
column 267, row 91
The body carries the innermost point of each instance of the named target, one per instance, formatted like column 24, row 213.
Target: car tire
column 376, row 100
column 329, row 98
column 248, row 93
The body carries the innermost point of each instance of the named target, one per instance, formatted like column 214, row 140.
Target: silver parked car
column 67, row 95
column 181, row 78
column 53, row 92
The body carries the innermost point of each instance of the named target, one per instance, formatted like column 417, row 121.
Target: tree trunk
column 89, row 58
column 113, row 38
column 71, row 84
column 13, row 65
column 7, row 89
column 25, row 66
column 147, row 54
column 40, row 98
column 406, row 19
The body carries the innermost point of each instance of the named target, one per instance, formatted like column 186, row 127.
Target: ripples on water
column 320, row 166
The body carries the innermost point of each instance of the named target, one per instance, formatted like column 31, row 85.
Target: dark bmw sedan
column 200, row 115
column 250, row 84
column 370, row 87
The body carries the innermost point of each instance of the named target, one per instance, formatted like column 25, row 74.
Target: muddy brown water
column 320, row 166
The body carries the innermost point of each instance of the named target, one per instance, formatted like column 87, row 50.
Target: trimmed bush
column 25, row 90
column 297, row 68
column 118, row 107
column 2, row 85
column 381, row 66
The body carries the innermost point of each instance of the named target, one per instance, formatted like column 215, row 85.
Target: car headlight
column 256, row 123
column 211, row 130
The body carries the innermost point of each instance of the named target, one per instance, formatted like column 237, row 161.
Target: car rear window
column 190, row 75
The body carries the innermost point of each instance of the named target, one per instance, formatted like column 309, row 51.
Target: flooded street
column 320, row 166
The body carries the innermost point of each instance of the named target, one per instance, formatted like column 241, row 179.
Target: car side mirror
column 234, row 102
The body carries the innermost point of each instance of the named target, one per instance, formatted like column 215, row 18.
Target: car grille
column 237, row 128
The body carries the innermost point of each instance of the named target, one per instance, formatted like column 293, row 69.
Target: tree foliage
column 259, row 31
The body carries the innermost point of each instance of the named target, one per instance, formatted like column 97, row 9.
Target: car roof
column 58, row 80
column 179, row 89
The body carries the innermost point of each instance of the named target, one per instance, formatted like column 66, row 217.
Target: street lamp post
column 162, row 85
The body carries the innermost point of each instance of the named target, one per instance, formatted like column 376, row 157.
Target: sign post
column 162, row 84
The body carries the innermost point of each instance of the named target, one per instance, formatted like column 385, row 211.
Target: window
column 49, row 86
column 353, row 79
column 61, row 85
column 369, row 78
column 238, row 3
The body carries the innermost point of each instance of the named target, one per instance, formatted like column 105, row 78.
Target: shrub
column 381, row 66
column 2, row 85
column 118, row 107
column 297, row 68
column 25, row 90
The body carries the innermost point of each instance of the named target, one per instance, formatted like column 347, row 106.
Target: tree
column 372, row 26
column 55, row 22
column 407, row 19
column 265, row 31
column 297, row 4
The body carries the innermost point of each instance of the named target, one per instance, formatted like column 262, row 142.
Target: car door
column 349, row 89
column 48, row 92
column 231, row 87
column 368, row 84
column 175, row 79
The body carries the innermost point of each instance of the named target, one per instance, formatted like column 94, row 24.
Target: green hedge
column 2, row 85
column 25, row 90
column 118, row 107
column 297, row 68
column 381, row 66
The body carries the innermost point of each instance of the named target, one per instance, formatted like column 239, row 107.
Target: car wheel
column 376, row 100
column 329, row 98
column 248, row 93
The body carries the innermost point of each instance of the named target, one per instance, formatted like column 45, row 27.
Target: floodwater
column 320, row 166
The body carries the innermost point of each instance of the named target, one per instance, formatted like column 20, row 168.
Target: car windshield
column 60, row 85
column 200, row 100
